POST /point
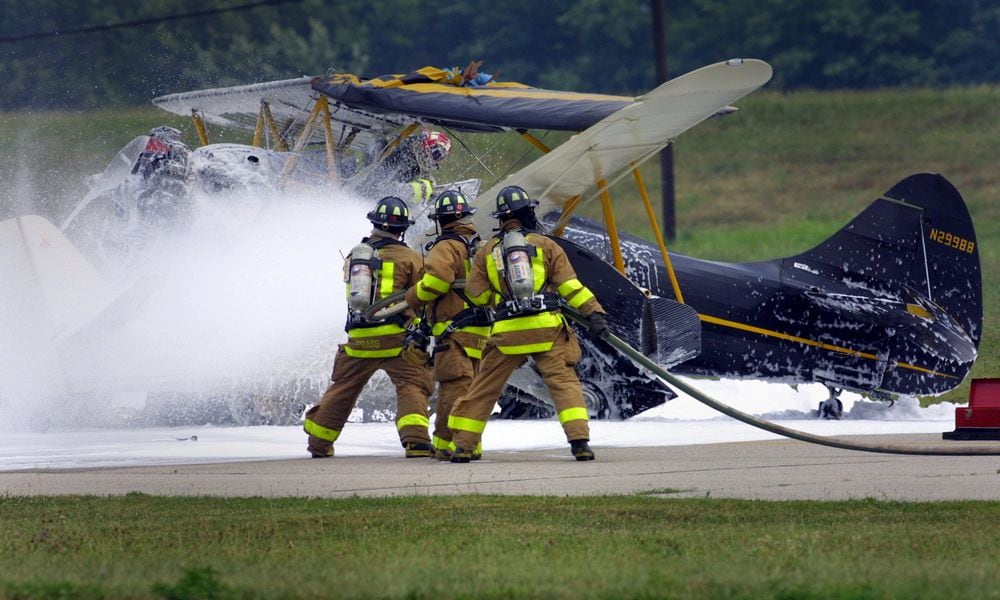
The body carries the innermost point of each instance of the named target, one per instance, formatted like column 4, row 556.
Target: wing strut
column 199, row 126
column 609, row 222
column 656, row 231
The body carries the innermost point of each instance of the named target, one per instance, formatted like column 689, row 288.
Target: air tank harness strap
column 356, row 320
column 476, row 316
column 535, row 304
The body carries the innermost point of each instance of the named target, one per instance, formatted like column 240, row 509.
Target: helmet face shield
column 434, row 147
column 437, row 153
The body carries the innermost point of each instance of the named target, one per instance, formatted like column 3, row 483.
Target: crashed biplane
column 889, row 305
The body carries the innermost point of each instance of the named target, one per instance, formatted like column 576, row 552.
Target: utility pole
column 667, row 155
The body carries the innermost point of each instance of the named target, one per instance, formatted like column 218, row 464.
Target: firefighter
column 526, row 276
column 377, row 268
column 409, row 168
column 459, row 329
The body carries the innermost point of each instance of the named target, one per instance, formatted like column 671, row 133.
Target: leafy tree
column 587, row 45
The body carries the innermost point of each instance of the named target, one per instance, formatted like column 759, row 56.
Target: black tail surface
column 919, row 236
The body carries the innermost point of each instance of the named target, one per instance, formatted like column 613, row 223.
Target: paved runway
column 769, row 470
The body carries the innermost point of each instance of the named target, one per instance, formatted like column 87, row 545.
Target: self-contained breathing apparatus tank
column 517, row 263
column 362, row 270
column 513, row 259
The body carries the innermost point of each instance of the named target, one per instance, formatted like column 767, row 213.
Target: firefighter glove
column 598, row 325
column 416, row 356
column 415, row 344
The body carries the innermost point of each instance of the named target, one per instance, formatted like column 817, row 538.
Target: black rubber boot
column 461, row 455
column 581, row 450
column 418, row 450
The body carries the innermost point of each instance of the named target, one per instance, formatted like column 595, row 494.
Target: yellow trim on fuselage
column 808, row 342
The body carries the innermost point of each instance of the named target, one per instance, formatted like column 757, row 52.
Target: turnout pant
column 557, row 368
column 454, row 371
column 414, row 386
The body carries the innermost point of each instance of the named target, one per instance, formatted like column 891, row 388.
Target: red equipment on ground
column 980, row 420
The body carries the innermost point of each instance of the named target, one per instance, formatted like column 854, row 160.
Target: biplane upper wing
column 632, row 134
column 289, row 101
column 433, row 95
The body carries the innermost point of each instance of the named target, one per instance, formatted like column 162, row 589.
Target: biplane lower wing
column 633, row 134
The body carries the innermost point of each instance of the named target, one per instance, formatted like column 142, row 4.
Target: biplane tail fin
column 918, row 236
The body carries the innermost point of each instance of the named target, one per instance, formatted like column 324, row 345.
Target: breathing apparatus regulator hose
column 622, row 346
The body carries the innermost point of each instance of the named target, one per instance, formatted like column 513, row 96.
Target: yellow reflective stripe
column 422, row 190
column 390, row 353
column 491, row 268
column 430, row 287
column 526, row 348
column 366, row 332
column 412, row 420
column 439, row 328
column 465, row 424
column 435, row 283
column 440, row 444
column 543, row 320
column 475, row 353
column 386, row 288
column 580, row 297
column 483, row 330
column 569, row 286
column 423, row 295
column 481, row 299
column 573, row 414
column 538, row 268
column 324, row 433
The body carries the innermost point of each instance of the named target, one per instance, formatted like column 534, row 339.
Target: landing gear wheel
column 832, row 407
column 596, row 400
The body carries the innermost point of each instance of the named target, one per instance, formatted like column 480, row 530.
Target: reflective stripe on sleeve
column 435, row 283
column 569, row 286
column 580, row 297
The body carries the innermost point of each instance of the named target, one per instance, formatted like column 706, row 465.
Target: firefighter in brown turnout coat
column 526, row 276
column 377, row 268
column 459, row 329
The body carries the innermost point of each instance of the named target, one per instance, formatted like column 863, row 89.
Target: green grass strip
column 639, row 546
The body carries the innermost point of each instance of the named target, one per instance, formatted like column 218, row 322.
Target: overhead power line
column 149, row 21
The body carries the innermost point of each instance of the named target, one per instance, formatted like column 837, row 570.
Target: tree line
column 63, row 54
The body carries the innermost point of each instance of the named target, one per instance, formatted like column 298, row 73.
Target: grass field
column 647, row 546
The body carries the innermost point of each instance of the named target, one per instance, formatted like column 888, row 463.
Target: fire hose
column 622, row 346
column 794, row 434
